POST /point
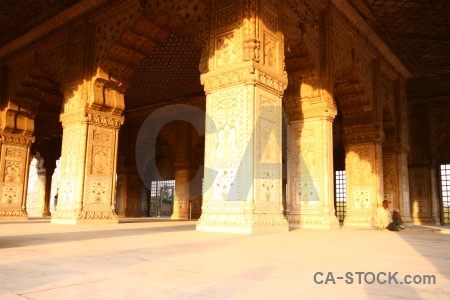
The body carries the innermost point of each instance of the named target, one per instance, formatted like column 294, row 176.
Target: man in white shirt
column 383, row 215
column 384, row 218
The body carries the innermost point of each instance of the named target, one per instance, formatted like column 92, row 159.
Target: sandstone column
column 311, row 110
column 244, row 79
column 121, row 194
column 91, row 122
column 311, row 173
column 396, row 179
column 364, row 169
column 182, row 176
column 195, row 193
column 395, row 157
column 43, row 193
column 14, row 161
column 133, row 180
column 47, row 154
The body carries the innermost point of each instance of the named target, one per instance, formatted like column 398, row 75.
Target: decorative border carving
column 375, row 137
column 343, row 7
column 7, row 138
column 54, row 23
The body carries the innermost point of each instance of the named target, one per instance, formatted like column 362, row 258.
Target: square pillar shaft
column 89, row 157
column 364, row 169
column 310, row 163
column 14, row 168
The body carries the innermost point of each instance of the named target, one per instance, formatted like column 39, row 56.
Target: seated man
column 397, row 220
column 384, row 218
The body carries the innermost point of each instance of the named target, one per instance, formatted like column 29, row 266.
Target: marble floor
column 164, row 259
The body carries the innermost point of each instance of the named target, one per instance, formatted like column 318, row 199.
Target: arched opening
column 340, row 178
column 156, row 62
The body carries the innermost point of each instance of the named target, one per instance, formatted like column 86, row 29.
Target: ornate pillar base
column 46, row 213
column 13, row 215
column 241, row 223
column 313, row 221
column 407, row 220
column 360, row 220
column 85, row 217
column 425, row 221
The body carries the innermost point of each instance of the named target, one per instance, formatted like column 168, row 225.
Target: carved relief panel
column 226, row 40
column 388, row 106
column 13, row 166
column 224, row 145
column 121, row 195
column 418, row 134
column 71, row 154
column 420, row 193
column 308, row 163
column 299, row 23
column 390, row 180
column 268, row 151
column 49, row 56
column 110, row 28
column 362, row 164
column 226, row 49
column 439, row 137
column 350, row 54
column 101, row 160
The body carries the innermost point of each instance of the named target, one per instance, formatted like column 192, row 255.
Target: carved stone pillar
column 434, row 194
column 195, row 193
column 134, row 184
column 133, row 179
column 91, row 121
column 182, row 176
column 423, row 195
column 47, row 154
column 422, row 170
column 122, row 173
column 43, row 189
column 16, row 129
column 396, row 179
column 121, row 194
column 14, row 166
column 181, row 198
column 364, row 169
column 244, row 81
column 311, row 173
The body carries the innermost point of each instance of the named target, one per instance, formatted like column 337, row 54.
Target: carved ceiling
column 170, row 72
column 19, row 16
column 419, row 34
column 417, row 31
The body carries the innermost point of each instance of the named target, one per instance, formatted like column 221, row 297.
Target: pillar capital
column 309, row 109
column 397, row 148
column 248, row 72
column 369, row 137
column 19, row 140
